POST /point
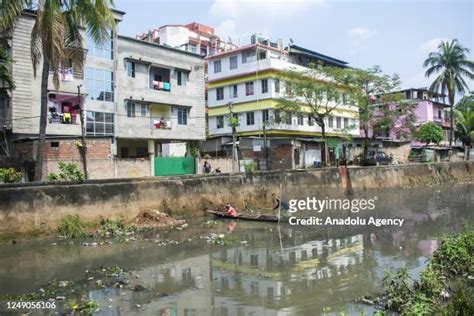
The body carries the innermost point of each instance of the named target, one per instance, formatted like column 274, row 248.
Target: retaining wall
column 27, row 207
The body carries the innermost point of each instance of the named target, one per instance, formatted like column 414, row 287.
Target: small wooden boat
column 247, row 216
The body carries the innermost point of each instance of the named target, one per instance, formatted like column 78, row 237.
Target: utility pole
column 233, row 125
column 265, row 154
column 83, row 148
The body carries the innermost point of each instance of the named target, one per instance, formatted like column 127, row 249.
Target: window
column 219, row 93
column 220, row 121
column 265, row 116
column 130, row 109
column 182, row 78
column 233, row 91
column 142, row 152
column 277, row 85
column 124, row 152
column 264, row 85
column 338, row 122
column 262, row 54
column 277, row 116
column 249, row 88
column 103, row 49
column 54, row 144
column 248, row 56
column 182, row 116
column 288, row 118
column 217, row 66
column 192, row 48
column 440, row 115
column 331, row 121
column 100, row 84
column 310, row 120
column 250, row 118
column 346, row 122
column 130, row 65
column 233, row 62
column 99, row 123
column 300, row 119
column 143, row 110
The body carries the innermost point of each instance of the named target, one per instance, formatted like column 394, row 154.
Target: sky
column 396, row 35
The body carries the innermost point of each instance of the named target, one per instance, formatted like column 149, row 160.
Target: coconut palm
column 56, row 40
column 464, row 129
column 451, row 66
column 6, row 80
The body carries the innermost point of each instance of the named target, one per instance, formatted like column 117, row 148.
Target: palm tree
column 56, row 40
column 451, row 65
column 6, row 80
column 464, row 129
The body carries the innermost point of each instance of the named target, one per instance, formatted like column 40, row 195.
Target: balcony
column 62, row 109
column 160, row 79
column 160, row 123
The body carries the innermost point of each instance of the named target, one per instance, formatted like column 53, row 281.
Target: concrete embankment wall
column 33, row 207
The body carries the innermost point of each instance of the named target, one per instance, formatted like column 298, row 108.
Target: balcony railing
column 161, row 123
column 160, row 85
column 63, row 118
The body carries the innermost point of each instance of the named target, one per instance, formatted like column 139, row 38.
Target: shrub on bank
column 10, row 175
column 67, row 172
column 443, row 285
column 72, row 226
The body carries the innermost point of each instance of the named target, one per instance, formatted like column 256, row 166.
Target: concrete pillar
column 151, row 154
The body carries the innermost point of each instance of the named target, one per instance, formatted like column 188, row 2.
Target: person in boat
column 231, row 211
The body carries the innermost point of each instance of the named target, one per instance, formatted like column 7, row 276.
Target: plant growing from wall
column 10, row 175
column 429, row 133
column 57, row 42
column 193, row 147
column 67, row 172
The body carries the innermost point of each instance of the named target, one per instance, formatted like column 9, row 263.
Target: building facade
column 247, row 79
column 147, row 97
column 193, row 37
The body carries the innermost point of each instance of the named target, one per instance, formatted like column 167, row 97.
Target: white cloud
column 257, row 16
column 417, row 80
column 431, row 45
column 360, row 35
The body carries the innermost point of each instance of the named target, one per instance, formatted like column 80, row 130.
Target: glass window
column 277, row 116
column 182, row 78
column 249, row 56
column 100, row 49
column 143, row 110
column 220, row 121
column 330, row 121
column 300, row 119
column 233, row 62
column 217, row 66
column 264, row 85
column 130, row 65
column 346, row 122
column 130, row 109
column 277, row 85
column 338, row 122
column 99, row 84
column 219, row 93
column 265, row 116
column 288, row 119
column 99, row 123
column 182, row 116
column 249, row 88
column 250, row 118
column 233, row 91
column 310, row 120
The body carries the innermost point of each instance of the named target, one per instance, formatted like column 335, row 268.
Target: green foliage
column 67, row 172
column 10, row 175
column 193, row 146
column 117, row 227
column 397, row 285
column 233, row 121
column 464, row 120
column 72, row 226
column 250, row 167
column 86, row 308
column 447, row 270
column 429, row 133
column 5, row 62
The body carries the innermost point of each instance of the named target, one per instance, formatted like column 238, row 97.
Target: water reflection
column 269, row 270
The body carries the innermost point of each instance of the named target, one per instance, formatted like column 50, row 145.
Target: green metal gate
column 168, row 166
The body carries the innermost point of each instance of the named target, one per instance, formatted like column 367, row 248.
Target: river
column 257, row 269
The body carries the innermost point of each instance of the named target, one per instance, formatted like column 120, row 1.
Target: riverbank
column 31, row 209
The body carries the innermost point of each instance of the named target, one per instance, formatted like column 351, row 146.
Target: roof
column 242, row 48
column 60, row 137
column 177, row 50
column 295, row 49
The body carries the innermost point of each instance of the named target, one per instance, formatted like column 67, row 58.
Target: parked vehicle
column 375, row 158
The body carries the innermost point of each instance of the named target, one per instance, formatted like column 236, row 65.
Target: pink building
column 428, row 108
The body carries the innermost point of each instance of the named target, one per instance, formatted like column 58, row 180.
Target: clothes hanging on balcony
column 167, row 86
column 67, row 118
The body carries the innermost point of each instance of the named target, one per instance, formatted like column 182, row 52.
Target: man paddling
column 231, row 211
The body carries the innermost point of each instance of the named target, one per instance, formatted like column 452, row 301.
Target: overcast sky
column 397, row 35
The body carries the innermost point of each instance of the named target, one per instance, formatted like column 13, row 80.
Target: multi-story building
column 146, row 99
column 247, row 79
column 193, row 37
column 427, row 107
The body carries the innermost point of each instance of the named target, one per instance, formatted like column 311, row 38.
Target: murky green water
column 262, row 268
